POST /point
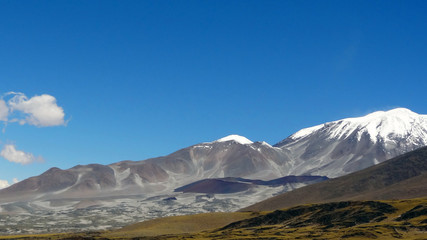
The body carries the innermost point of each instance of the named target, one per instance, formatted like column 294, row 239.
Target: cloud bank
column 10, row 153
column 40, row 111
column 4, row 184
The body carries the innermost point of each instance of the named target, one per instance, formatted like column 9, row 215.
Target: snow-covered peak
column 236, row 138
column 398, row 122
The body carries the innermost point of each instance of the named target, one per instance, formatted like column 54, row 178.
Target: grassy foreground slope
column 402, row 177
column 180, row 224
column 400, row 219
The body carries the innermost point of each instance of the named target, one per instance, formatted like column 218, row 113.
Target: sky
column 104, row 81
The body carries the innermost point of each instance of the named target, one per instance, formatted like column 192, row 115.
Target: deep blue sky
column 140, row 79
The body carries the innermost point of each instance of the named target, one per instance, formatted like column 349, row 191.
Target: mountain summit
column 340, row 147
column 380, row 126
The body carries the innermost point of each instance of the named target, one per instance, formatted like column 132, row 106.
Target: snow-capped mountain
column 336, row 148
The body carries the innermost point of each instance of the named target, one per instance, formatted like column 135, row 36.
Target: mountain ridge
column 402, row 177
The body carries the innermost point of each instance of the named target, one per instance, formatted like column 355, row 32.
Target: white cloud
column 10, row 153
column 4, row 184
column 4, row 110
column 41, row 111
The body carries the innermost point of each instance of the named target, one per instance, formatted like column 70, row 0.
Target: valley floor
column 400, row 219
column 71, row 215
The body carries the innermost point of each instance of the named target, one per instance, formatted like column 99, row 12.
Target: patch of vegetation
column 419, row 210
column 343, row 214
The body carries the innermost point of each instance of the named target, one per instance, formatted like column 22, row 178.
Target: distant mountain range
column 232, row 165
column 332, row 149
column 233, row 156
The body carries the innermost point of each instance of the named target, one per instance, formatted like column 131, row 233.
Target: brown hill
column 233, row 185
column 399, row 178
column 217, row 185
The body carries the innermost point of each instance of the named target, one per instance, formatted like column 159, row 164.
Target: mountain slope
column 403, row 219
column 399, row 178
column 337, row 148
